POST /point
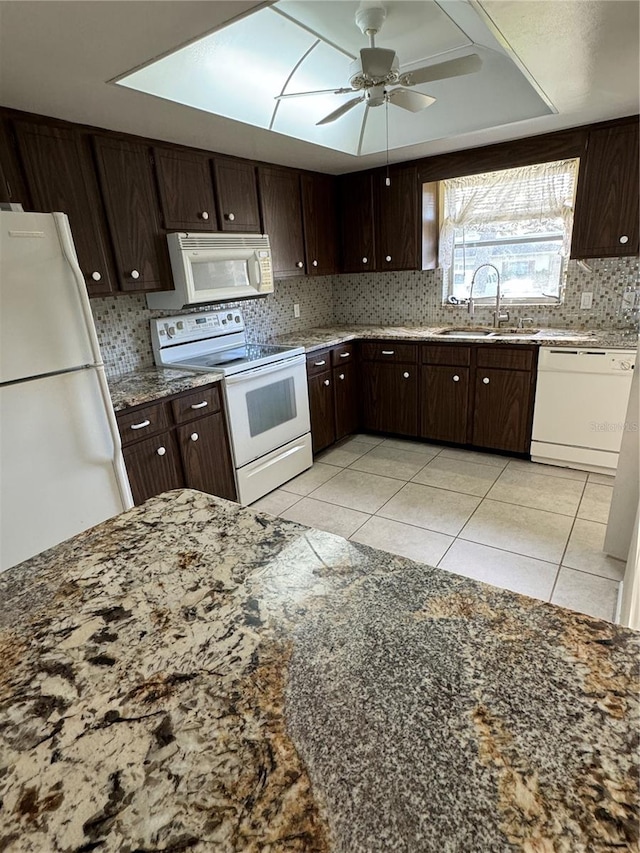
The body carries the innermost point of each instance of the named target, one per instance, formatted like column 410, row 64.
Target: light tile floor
column 530, row 528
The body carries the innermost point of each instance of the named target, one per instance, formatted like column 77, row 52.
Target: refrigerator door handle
column 68, row 249
column 66, row 242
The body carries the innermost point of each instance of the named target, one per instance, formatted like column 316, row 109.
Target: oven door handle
column 248, row 375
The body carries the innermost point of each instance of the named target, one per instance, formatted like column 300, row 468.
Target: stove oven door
column 267, row 407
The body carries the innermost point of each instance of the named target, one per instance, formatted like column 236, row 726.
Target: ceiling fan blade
column 408, row 100
column 315, row 92
column 442, row 70
column 376, row 61
column 340, row 111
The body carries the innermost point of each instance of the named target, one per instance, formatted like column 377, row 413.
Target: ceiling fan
column 378, row 68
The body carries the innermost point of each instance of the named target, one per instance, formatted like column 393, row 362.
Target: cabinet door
column 61, row 177
column 389, row 399
column 606, row 221
column 126, row 179
column 321, row 410
column 186, row 190
column 13, row 188
column 345, row 395
column 282, row 218
column 444, row 404
column 502, row 409
column 153, row 466
column 319, row 207
column 356, row 224
column 237, row 195
column 204, row 450
column 398, row 219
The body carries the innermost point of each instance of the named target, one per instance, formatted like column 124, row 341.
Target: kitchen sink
column 465, row 333
column 520, row 333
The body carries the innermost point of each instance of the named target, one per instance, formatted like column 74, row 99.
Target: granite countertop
column 193, row 675
column 314, row 339
column 152, row 383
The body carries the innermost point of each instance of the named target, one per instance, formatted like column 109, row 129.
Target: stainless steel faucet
column 497, row 316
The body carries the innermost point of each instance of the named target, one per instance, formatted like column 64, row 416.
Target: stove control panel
column 194, row 327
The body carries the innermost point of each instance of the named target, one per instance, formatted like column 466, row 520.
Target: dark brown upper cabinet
column 237, row 194
column 357, row 222
column 127, row 182
column 60, row 174
column 319, row 209
column 185, row 190
column 282, row 219
column 397, row 217
column 606, row 222
column 13, row 188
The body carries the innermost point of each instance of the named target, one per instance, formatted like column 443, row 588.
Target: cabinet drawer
column 505, row 357
column 343, row 354
column 319, row 361
column 143, row 422
column 389, row 351
column 453, row 355
column 195, row 404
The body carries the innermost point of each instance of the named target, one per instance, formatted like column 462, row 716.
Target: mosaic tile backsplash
column 403, row 298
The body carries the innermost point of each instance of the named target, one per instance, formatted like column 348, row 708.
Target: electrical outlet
column 586, row 300
column 296, row 309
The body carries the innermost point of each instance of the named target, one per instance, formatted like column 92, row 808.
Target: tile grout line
column 566, row 544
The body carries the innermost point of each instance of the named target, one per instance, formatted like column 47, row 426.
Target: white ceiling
column 56, row 59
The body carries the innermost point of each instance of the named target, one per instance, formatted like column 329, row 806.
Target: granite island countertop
column 318, row 338
column 193, row 675
column 153, row 383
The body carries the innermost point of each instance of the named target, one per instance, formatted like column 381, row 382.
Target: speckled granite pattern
column 313, row 339
column 192, row 675
column 144, row 386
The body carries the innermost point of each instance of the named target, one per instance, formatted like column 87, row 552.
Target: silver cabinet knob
column 300, row 264
column 624, row 239
column 456, row 378
column 161, row 451
column 406, row 375
column 194, row 436
column 314, row 263
column 134, row 274
column 230, row 217
column 204, row 215
column 486, row 380
column 341, row 376
column 365, row 260
column 96, row 276
column 326, row 382
column 388, row 258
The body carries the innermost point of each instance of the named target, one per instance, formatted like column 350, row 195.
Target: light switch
column 586, row 300
column 296, row 309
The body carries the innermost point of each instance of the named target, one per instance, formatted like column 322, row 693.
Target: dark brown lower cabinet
column 205, row 456
column 345, row 395
column 444, row 405
column 321, row 409
column 389, row 397
column 153, row 466
column 190, row 449
column 502, row 409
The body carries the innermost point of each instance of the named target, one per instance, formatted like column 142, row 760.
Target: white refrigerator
column 61, row 465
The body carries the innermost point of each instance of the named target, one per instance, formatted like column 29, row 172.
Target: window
column 517, row 220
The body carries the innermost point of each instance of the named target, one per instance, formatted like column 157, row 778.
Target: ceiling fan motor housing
column 359, row 80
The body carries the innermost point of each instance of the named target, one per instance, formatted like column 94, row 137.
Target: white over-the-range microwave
column 211, row 268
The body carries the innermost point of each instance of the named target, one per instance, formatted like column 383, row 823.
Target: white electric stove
column 265, row 392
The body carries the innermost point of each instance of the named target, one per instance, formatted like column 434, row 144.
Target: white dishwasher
column 580, row 407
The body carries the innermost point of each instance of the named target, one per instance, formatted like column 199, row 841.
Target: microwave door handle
column 248, row 375
column 257, row 277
